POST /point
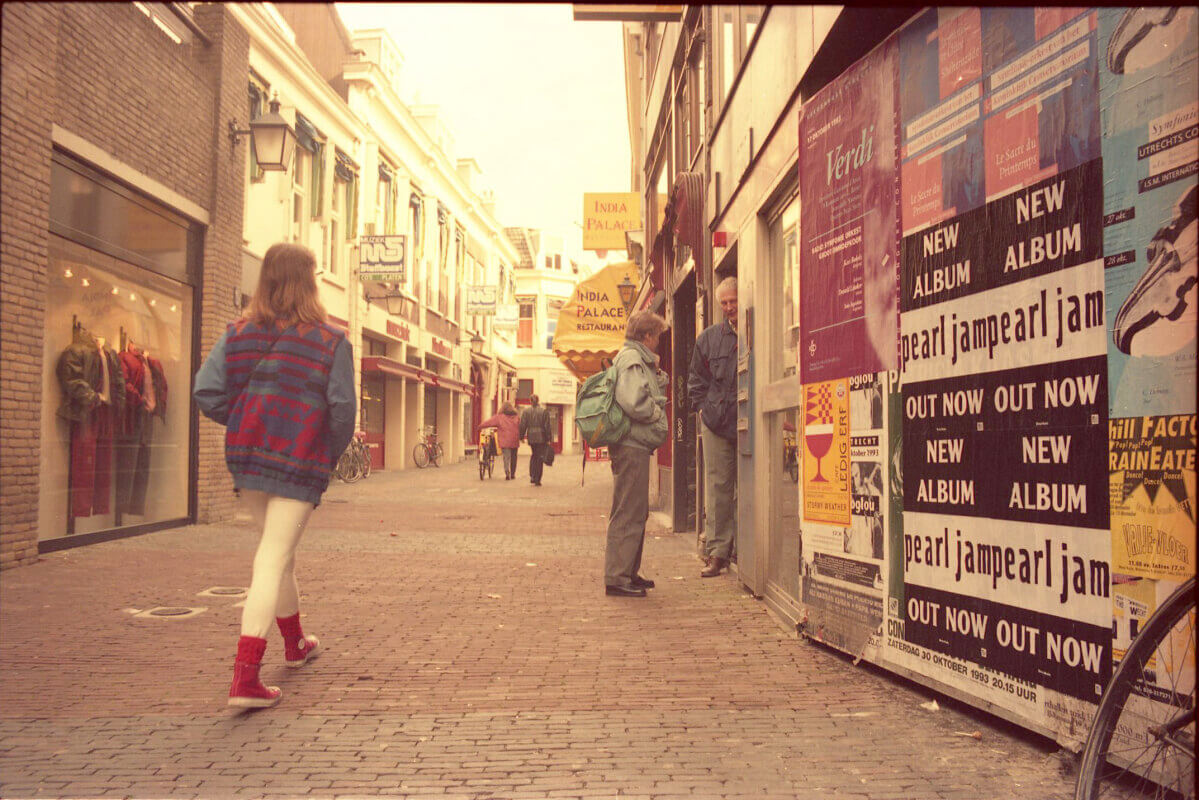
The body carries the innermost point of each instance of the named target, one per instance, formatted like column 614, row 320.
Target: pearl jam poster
column 1150, row 98
column 849, row 241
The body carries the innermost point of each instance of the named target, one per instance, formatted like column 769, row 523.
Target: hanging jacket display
column 145, row 398
column 93, row 383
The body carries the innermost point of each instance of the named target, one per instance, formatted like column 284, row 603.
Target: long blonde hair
column 287, row 288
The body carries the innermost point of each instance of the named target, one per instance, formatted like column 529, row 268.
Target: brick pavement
column 470, row 653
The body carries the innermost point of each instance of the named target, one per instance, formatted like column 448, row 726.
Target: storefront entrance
column 374, row 416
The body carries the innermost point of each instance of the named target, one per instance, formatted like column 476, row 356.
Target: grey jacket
column 712, row 382
column 641, row 392
column 535, row 425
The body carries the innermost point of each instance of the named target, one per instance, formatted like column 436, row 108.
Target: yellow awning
column 591, row 325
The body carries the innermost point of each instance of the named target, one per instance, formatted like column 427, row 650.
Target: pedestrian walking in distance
column 281, row 381
column 640, row 391
column 535, row 429
column 508, row 436
column 712, row 390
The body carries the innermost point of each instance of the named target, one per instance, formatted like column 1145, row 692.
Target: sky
column 535, row 97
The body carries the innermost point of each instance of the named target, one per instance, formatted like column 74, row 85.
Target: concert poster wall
column 1150, row 96
column 1040, row 419
column 848, row 249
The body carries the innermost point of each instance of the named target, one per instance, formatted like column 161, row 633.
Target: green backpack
column 600, row 419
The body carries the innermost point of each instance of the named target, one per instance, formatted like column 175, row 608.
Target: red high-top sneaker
column 298, row 649
column 247, row 690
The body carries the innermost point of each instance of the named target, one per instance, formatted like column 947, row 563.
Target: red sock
column 250, row 649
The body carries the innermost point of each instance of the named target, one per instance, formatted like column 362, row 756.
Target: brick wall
column 107, row 74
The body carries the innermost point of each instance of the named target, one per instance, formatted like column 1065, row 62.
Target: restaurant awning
column 591, row 325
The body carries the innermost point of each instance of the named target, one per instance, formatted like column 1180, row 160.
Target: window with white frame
column 337, row 205
column 300, row 179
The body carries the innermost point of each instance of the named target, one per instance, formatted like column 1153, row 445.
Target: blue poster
column 1149, row 98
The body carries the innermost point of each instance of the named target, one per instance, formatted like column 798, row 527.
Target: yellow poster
column 1152, row 488
column 826, row 457
column 606, row 217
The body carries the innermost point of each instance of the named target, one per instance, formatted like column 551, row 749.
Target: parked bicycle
column 428, row 450
column 355, row 463
column 1142, row 742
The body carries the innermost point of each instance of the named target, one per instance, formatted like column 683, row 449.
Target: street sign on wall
column 481, row 300
column 383, row 258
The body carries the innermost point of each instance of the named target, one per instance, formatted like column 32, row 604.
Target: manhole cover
column 170, row 611
column 227, row 590
column 457, row 516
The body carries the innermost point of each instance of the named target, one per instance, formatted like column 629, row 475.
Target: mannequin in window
column 93, row 384
column 145, row 391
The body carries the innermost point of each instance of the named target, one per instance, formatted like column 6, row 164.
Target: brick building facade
column 103, row 101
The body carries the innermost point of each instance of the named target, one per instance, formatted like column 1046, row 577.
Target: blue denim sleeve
column 211, row 391
column 343, row 403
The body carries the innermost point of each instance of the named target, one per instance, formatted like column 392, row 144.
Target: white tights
column 273, row 589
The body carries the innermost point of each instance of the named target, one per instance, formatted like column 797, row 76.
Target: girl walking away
column 509, row 436
column 281, row 381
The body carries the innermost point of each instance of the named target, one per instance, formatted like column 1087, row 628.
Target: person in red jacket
column 508, row 436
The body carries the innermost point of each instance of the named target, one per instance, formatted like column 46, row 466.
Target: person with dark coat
column 281, row 381
column 712, row 391
column 509, row 436
column 535, row 429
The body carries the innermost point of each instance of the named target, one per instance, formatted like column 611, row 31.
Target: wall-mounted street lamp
column 273, row 139
column 393, row 301
column 628, row 290
column 476, row 343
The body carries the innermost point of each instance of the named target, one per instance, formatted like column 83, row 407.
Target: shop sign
column 481, row 300
column 507, row 317
column 441, row 348
column 561, row 389
column 399, row 331
column 606, row 217
column 382, row 258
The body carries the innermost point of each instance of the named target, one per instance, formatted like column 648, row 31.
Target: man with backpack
column 535, row 429
column 712, row 390
column 639, row 389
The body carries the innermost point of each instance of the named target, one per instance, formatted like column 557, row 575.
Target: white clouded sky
column 535, row 97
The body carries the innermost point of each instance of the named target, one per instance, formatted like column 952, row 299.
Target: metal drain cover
column 170, row 611
column 223, row 590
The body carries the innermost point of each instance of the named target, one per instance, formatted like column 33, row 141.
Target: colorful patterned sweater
column 286, row 397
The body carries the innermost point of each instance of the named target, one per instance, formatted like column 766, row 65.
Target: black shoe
column 624, row 591
column 536, row 483
column 639, row 582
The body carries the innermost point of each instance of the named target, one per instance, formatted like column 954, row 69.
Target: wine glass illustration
column 818, row 426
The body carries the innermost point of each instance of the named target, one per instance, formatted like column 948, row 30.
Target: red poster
column 849, row 253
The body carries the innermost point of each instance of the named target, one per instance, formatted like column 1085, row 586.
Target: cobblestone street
column 470, row 652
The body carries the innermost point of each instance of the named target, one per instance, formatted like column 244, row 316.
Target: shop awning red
column 389, row 366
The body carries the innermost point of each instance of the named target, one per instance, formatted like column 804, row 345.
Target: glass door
column 780, row 404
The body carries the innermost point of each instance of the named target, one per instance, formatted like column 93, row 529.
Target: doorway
column 684, row 472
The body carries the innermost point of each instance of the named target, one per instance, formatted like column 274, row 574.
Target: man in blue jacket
column 712, row 391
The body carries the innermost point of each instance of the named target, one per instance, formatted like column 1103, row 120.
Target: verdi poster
column 849, row 249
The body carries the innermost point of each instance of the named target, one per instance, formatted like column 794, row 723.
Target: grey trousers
column 720, row 493
column 630, row 510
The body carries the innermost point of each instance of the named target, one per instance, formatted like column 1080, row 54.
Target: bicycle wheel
column 490, row 465
column 365, row 455
column 482, row 468
column 347, row 467
column 420, row 456
column 1142, row 742
column 437, row 455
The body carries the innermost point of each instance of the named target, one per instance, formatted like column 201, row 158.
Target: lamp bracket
column 235, row 133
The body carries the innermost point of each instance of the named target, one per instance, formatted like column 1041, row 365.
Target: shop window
column 374, row 393
column 125, row 460
column 524, row 389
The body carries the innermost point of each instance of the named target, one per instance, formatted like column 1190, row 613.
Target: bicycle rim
column 437, row 455
column 366, row 463
column 420, row 456
column 1142, row 742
